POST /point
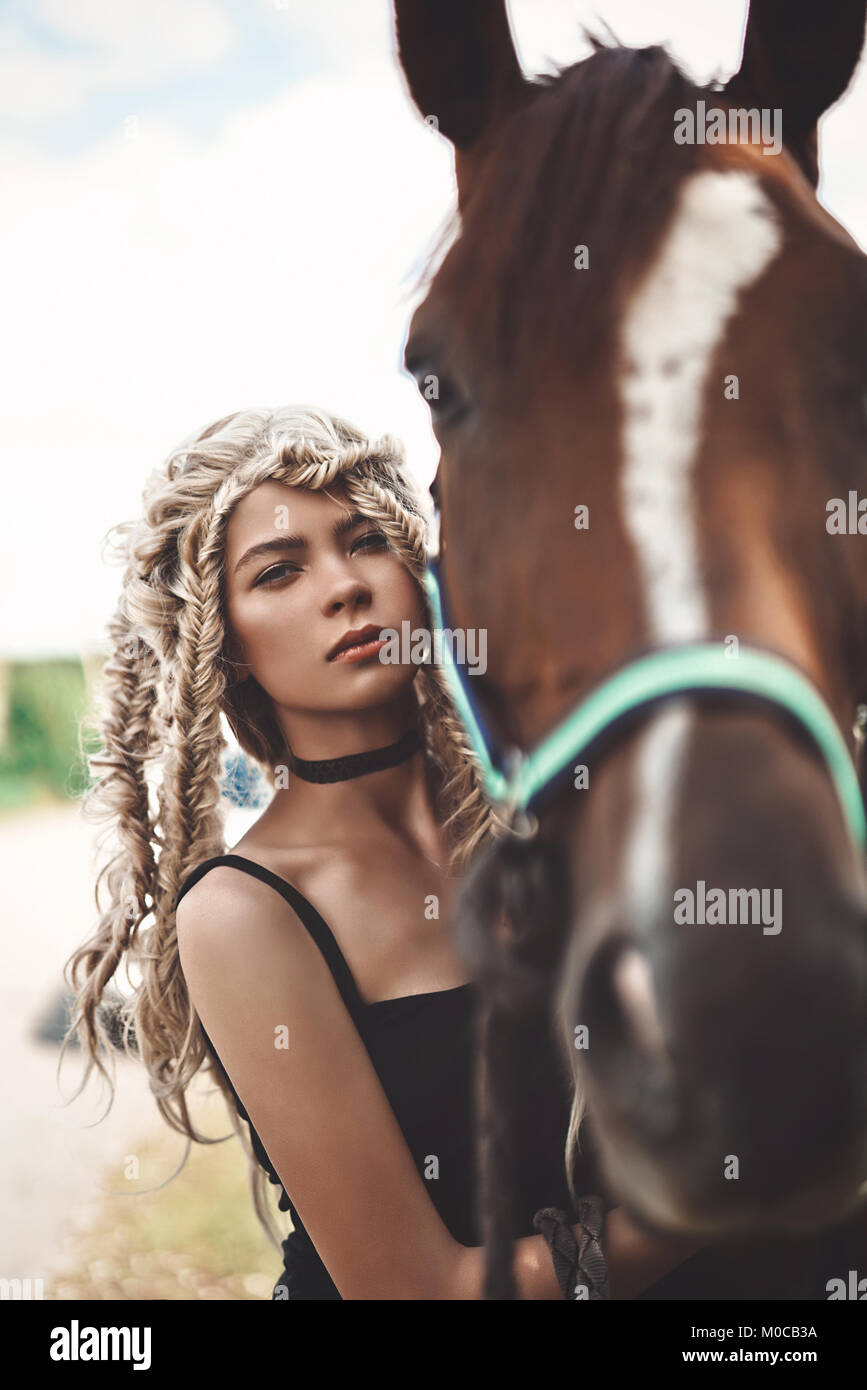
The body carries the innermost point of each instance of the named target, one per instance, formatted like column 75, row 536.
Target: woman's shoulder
column 228, row 917
column 295, row 864
column 246, row 874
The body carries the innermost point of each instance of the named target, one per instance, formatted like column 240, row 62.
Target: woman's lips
column 361, row 651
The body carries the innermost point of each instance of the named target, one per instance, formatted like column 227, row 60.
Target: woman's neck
column 392, row 801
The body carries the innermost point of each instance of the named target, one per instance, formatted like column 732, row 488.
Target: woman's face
column 290, row 603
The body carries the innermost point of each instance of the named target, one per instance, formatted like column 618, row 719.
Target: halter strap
column 518, row 779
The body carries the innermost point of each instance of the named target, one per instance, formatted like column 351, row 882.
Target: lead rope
column 579, row 1265
column 519, row 883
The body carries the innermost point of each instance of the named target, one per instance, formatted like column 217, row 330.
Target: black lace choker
column 356, row 764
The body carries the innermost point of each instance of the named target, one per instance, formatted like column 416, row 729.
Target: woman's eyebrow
column 282, row 543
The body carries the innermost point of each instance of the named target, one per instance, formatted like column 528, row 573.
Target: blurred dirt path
column 53, row 1167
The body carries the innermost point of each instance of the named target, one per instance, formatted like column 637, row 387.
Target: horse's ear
column 459, row 60
column 799, row 56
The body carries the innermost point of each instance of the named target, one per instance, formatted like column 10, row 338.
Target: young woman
column 312, row 969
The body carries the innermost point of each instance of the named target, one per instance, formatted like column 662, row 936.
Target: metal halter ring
column 523, row 824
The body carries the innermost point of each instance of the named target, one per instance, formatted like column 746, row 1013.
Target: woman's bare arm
column 253, row 971
column 254, row 974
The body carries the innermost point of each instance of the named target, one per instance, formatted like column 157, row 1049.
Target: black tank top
column 422, row 1047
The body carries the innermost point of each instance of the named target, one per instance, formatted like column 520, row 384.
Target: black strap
column 315, row 924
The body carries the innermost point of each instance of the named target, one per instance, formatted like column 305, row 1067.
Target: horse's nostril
column 626, row 1047
column 633, row 986
column 620, row 1000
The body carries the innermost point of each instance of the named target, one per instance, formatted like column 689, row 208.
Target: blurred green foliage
column 39, row 755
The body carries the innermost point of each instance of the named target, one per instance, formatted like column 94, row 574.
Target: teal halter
column 522, row 778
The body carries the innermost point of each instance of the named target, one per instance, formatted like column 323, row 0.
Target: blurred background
column 208, row 205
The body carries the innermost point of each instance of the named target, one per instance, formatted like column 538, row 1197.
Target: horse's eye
column 447, row 402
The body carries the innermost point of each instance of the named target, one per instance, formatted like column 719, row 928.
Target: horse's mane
column 588, row 159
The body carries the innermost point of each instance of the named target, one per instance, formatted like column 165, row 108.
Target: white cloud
column 705, row 39
column 353, row 33
column 157, row 282
column 125, row 43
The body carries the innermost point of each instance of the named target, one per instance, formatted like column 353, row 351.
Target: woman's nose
column 346, row 591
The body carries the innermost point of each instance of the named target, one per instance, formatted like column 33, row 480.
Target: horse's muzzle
column 727, row 1079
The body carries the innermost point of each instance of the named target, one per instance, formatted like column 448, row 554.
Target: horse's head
column 646, row 356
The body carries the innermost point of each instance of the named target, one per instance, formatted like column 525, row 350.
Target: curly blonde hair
column 167, row 684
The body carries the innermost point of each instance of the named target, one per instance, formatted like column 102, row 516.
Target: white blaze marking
column 646, row 872
column 723, row 236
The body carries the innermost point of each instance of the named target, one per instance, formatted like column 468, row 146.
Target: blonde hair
column 166, row 685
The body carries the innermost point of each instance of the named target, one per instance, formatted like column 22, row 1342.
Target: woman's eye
column 273, row 573
column 372, row 540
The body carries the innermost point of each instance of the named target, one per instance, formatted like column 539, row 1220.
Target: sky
column 215, row 204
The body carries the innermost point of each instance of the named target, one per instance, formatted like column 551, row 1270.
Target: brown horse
column 648, row 352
